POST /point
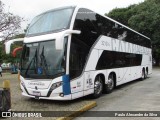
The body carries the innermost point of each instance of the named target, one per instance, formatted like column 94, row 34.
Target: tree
column 122, row 15
column 144, row 18
column 10, row 24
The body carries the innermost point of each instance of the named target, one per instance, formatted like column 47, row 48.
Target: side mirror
column 8, row 44
column 60, row 38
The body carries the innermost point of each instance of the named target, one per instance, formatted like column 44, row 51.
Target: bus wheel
column 110, row 85
column 98, row 87
column 146, row 75
column 143, row 75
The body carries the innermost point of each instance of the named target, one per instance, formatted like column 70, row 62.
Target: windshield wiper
column 35, row 61
column 44, row 62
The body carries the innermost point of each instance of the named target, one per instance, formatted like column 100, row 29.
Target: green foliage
column 122, row 14
column 10, row 25
column 144, row 18
column 18, row 36
column 1, row 54
column 6, row 58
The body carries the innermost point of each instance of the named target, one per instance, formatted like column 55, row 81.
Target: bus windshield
column 42, row 60
column 50, row 21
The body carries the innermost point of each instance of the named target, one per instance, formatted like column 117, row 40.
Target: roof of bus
column 77, row 6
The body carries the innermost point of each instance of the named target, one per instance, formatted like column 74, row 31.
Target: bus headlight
column 55, row 85
column 22, row 83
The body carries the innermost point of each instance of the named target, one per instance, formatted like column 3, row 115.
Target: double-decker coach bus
column 72, row 52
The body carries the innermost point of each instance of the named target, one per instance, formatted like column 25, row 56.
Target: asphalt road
column 134, row 96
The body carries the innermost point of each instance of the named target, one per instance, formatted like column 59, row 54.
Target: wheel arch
column 102, row 77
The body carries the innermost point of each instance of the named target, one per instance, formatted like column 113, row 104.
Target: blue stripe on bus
column 66, row 85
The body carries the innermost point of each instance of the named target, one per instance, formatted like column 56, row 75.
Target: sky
column 28, row 9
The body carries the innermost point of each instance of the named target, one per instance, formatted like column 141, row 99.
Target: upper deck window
column 50, row 21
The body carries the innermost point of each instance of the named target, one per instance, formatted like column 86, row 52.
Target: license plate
column 36, row 93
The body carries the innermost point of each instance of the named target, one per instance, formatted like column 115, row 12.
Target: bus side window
column 78, row 55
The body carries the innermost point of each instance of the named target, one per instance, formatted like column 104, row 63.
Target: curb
column 79, row 112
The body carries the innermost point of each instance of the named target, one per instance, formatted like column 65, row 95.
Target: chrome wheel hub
column 98, row 86
column 110, row 83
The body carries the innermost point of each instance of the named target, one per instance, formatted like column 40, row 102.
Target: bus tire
column 98, row 87
column 143, row 74
column 146, row 75
column 110, row 85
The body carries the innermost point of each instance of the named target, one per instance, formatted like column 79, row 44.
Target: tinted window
column 78, row 55
column 137, row 39
column 43, row 60
column 111, row 59
column 85, row 21
column 82, row 43
column 93, row 25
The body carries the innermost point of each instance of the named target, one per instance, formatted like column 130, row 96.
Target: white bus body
column 84, row 53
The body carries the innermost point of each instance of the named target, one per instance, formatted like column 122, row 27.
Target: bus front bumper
column 56, row 97
column 52, row 96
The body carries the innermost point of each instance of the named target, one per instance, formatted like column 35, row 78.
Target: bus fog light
column 61, row 94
